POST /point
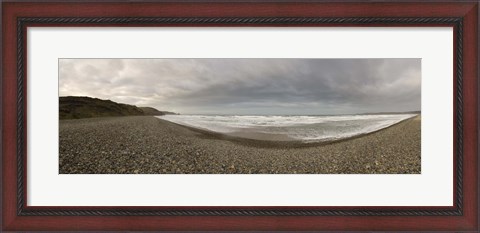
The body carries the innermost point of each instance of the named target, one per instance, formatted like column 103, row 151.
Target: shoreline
column 277, row 143
column 149, row 145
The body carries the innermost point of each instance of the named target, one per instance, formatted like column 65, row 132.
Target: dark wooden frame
column 462, row 16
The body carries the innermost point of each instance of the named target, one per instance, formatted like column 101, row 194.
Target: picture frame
column 18, row 16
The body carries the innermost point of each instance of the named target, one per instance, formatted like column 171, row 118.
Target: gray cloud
column 249, row 86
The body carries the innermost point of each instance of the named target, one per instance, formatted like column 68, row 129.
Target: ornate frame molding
column 23, row 210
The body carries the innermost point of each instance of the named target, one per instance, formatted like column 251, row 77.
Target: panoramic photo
column 240, row 116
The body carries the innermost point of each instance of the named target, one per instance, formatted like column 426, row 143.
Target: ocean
column 292, row 128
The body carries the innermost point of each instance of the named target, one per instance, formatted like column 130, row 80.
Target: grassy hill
column 74, row 107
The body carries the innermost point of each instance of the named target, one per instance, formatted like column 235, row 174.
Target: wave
column 295, row 128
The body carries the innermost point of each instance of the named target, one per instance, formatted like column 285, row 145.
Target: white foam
column 304, row 128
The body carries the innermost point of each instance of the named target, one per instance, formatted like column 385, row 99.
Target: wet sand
column 148, row 145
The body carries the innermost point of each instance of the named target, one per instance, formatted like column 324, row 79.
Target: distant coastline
column 77, row 107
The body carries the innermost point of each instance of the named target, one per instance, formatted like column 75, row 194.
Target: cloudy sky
column 249, row 86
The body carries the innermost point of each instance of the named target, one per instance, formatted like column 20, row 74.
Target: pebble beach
column 148, row 145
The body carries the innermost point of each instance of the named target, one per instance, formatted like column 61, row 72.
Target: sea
column 297, row 128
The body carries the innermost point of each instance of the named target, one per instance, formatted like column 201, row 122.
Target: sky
column 249, row 86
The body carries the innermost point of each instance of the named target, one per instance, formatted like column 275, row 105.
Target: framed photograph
column 245, row 116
